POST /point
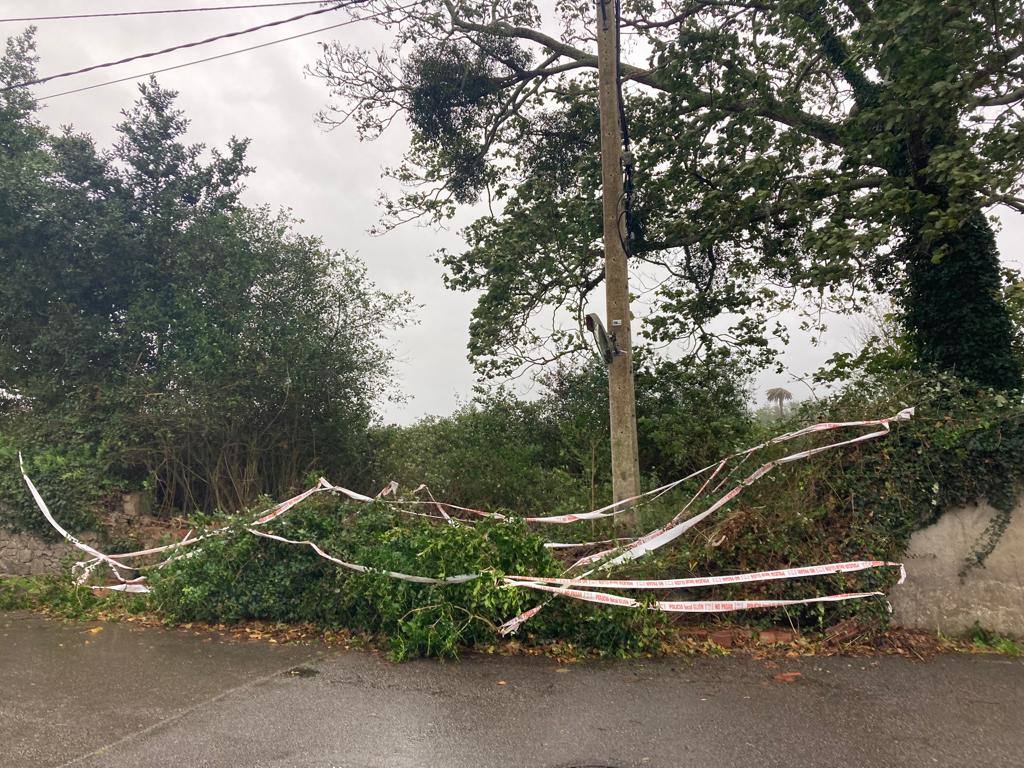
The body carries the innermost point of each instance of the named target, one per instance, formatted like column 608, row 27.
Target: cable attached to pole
column 627, row 154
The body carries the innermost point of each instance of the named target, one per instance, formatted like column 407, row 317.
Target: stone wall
column 27, row 554
column 935, row 597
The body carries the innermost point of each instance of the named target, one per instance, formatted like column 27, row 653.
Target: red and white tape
column 563, row 586
column 711, row 581
column 461, row 579
column 683, row 606
column 679, row 525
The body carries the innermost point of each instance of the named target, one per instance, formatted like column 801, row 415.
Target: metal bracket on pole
column 605, row 342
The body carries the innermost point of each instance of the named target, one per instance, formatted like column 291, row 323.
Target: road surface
column 71, row 695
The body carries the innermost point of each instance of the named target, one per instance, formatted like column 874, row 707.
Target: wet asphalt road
column 135, row 697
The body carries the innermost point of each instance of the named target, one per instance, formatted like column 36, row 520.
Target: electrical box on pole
column 621, row 394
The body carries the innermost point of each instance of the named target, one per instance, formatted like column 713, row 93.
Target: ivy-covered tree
column 196, row 343
column 785, row 152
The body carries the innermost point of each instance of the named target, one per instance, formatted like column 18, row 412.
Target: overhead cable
column 161, row 11
column 173, row 48
column 213, row 58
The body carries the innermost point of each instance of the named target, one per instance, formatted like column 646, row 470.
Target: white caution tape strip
column 682, row 606
column 461, row 579
column 115, row 566
column 677, row 526
column 582, row 544
column 711, row 581
column 141, row 589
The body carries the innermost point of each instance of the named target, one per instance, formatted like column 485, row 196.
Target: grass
column 987, row 641
column 58, row 597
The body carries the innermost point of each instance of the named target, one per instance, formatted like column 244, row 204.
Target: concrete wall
column 935, row 597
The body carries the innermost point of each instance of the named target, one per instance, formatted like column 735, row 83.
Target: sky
column 329, row 179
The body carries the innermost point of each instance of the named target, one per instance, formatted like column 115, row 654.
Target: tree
column 201, row 345
column 551, row 453
column 779, row 396
column 785, row 151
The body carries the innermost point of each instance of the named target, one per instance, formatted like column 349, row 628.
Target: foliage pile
column 860, row 502
column 239, row 576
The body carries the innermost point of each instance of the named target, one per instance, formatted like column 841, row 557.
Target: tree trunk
column 952, row 307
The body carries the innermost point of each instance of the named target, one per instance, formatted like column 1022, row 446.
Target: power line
column 163, row 11
column 47, row 79
column 218, row 56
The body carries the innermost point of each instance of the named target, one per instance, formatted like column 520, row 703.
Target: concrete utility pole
column 621, row 394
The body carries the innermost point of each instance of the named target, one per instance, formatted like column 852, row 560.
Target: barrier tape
column 581, row 544
column 133, row 588
column 564, row 586
column 710, row 581
column 677, row 526
column 683, row 606
column 461, row 579
column 114, row 565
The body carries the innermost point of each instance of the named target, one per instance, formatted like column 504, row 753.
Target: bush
column 965, row 445
column 551, row 454
column 168, row 334
column 72, row 475
column 497, row 452
column 240, row 576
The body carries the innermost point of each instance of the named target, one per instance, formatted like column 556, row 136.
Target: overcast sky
column 329, row 179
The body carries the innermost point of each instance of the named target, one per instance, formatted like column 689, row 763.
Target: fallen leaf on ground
column 502, row 682
column 94, row 630
column 786, row 677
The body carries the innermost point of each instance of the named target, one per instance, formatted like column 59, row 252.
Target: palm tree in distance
column 779, row 396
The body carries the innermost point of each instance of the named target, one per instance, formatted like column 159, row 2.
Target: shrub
column 496, row 452
column 240, row 576
column 72, row 475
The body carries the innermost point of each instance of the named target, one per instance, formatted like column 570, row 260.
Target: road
column 72, row 695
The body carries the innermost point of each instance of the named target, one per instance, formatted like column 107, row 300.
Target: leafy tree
column 785, row 152
column 497, row 451
column 779, row 396
column 200, row 345
column 551, row 453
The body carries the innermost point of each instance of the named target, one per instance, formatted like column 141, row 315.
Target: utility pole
column 621, row 394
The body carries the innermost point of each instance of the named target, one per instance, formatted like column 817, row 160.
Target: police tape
column 115, row 566
column 683, row 606
column 583, row 544
column 696, row 582
column 680, row 524
column 677, row 526
column 460, row 579
column 564, row 586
